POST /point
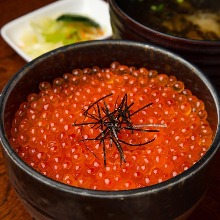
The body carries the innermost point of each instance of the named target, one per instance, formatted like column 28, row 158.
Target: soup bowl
column 45, row 198
column 204, row 54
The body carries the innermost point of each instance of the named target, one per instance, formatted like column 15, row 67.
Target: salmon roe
column 43, row 136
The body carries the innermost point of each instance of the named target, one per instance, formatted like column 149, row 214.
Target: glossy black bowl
column 46, row 199
column 204, row 54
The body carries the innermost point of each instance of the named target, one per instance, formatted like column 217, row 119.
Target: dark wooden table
column 10, row 62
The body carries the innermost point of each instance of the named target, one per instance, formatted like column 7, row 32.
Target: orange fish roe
column 43, row 134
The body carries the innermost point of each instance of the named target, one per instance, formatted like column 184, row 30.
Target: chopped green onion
column 160, row 7
column 153, row 7
column 170, row 33
column 157, row 8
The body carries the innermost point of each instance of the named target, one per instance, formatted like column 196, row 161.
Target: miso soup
column 194, row 19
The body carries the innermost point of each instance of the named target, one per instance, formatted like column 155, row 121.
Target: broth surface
column 193, row 19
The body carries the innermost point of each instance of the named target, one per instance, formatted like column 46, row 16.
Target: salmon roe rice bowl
column 114, row 128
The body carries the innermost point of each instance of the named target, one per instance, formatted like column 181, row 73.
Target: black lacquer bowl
column 204, row 54
column 45, row 198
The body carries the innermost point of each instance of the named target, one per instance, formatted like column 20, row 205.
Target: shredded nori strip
column 112, row 123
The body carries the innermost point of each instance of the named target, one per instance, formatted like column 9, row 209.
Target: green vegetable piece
column 78, row 18
column 153, row 7
column 160, row 7
column 157, row 8
column 170, row 33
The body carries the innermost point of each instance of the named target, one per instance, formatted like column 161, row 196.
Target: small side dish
column 28, row 44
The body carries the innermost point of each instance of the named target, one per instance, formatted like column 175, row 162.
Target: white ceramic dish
column 95, row 9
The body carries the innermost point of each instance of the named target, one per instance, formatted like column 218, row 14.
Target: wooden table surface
column 10, row 62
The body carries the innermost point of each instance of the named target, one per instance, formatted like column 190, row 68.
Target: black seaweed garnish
column 111, row 124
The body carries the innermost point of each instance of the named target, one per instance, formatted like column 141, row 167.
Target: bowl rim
column 158, row 33
column 100, row 193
